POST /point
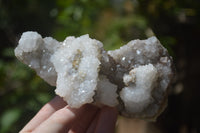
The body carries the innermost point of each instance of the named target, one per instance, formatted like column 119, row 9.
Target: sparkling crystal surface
column 133, row 78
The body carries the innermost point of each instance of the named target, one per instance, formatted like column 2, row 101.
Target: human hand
column 57, row 117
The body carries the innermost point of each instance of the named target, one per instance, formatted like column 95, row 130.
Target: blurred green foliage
column 114, row 22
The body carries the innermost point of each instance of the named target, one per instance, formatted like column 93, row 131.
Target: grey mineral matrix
column 134, row 78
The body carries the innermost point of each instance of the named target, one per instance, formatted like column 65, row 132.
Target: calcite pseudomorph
column 133, row 78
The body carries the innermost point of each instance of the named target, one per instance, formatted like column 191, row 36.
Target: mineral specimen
column 133, row 78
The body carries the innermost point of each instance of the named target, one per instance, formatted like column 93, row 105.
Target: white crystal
column 141, row 53
column 138, row 51
column 133, row 78
column 31, row 51
column 106, row 92
column 123, row 58
column 77, row 69
column 137, row 96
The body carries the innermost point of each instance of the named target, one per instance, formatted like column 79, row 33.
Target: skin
column 57, row 117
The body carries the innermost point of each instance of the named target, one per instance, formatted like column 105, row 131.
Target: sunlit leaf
column 8, row 118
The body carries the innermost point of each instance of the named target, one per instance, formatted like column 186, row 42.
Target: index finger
column 44, row 113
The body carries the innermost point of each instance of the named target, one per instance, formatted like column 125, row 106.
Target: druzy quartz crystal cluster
column 133, row 78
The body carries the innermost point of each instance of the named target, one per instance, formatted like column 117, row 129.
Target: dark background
column 176, row 23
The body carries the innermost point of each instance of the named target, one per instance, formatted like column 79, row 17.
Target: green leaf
column 9, row 118
column 8, row 52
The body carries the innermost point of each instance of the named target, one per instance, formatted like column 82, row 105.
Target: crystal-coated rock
column 133, row 78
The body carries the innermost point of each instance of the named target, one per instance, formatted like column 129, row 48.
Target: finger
column 93, row 124
column 46, row 111
column 107, row 120
column 60, row 121
column 83, row 122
